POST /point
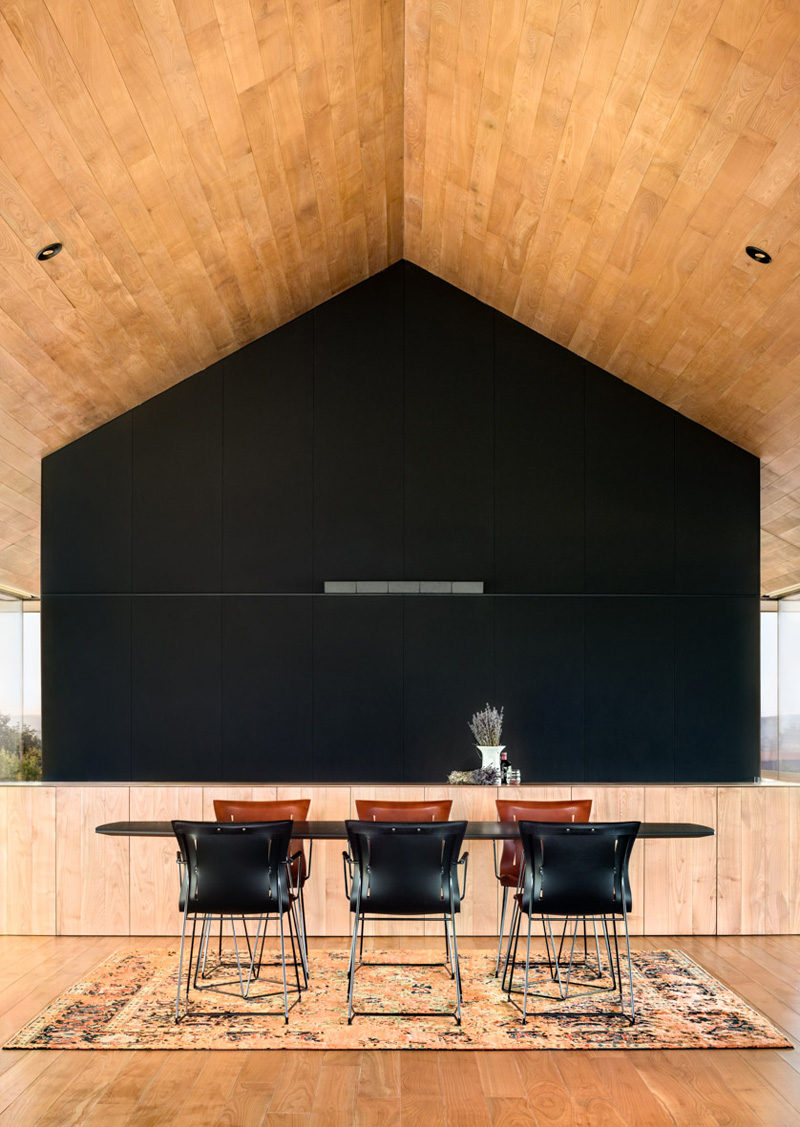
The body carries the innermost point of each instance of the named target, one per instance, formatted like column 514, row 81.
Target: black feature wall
column 400, row 431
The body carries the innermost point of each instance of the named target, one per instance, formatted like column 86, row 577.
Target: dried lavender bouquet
column 486, row 726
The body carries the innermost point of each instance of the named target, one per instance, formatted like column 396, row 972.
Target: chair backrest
column 405, row 868
column 234, row 868
column 575, row 869
column 511, row 810
column 269, row 810
column 381, row 810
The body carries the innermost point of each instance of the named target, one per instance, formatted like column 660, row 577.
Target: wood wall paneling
column 154, row 877
column 28, row 860
column 623, row 804
column 62, row 878
column 680, row 876
column 595, row 178
column 92, row 872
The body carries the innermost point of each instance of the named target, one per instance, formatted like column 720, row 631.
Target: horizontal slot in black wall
column 401, row 430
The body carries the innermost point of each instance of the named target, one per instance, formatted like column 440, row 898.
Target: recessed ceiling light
column 758, row 254
column 50, row 251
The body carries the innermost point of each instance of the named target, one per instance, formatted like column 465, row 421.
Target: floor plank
column 738, row 1088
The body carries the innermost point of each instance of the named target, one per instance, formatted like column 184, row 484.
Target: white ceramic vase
column 490, row 755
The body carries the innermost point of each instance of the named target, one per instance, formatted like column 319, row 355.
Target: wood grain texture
column 92, row 881
column 61, row 878
column 643, row 1088
column 28, row 860
column 214, row 170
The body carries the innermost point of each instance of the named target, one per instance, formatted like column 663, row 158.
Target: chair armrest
column 347, row 864
column 292, row 887
column 463, row 861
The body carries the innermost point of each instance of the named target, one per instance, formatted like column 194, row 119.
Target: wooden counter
column 60, row 877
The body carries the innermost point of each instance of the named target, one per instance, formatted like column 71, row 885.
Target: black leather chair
column 575, row 870
column 236, row 870
column 395, row 870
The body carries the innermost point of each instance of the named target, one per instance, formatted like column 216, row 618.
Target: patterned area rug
column 127, row 1002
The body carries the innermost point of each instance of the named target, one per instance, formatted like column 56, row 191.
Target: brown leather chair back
column 379, row 810
column 508, row 810
column 271, row 810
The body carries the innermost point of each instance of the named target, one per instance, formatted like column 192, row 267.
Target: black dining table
column 335, row 830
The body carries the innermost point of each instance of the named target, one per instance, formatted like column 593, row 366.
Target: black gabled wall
column 401, row 430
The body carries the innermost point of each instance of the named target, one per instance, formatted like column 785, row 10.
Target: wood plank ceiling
column 594, row 168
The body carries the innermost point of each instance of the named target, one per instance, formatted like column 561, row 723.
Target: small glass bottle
column 504, row 768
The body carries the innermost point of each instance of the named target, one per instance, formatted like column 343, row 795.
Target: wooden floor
column 387, row 1089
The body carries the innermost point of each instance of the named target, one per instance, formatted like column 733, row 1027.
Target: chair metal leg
column 283, row 965
column 238, row 961
column 502, row 926
column 561, row 989
column 191, row 955
column 448, row 956
column 296, row 953
column 527, row 971
column 180, row 965
column 294, row 924
column 303, row 933
column 513, row 941
column 206, row 939
column 456, row 965
column 351, row 974
column 515, row 919
column 253, row 953
column 361, row 943
column 630, row 964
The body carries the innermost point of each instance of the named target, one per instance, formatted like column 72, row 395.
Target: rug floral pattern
column 127, row 1002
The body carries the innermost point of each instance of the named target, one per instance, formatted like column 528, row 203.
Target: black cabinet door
column 630, row 690
column 539, row 682
column 86, row 688
column 177, row 487
column 717, row 514
column 176, row 679
column 539, row 472
column 266, row 688
column 717, row 690
column 267, row 462
column 86, row 513
column 448, row 675
column 358, row 689
column 449, row 428
column 630, row 490
column 358, row 433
